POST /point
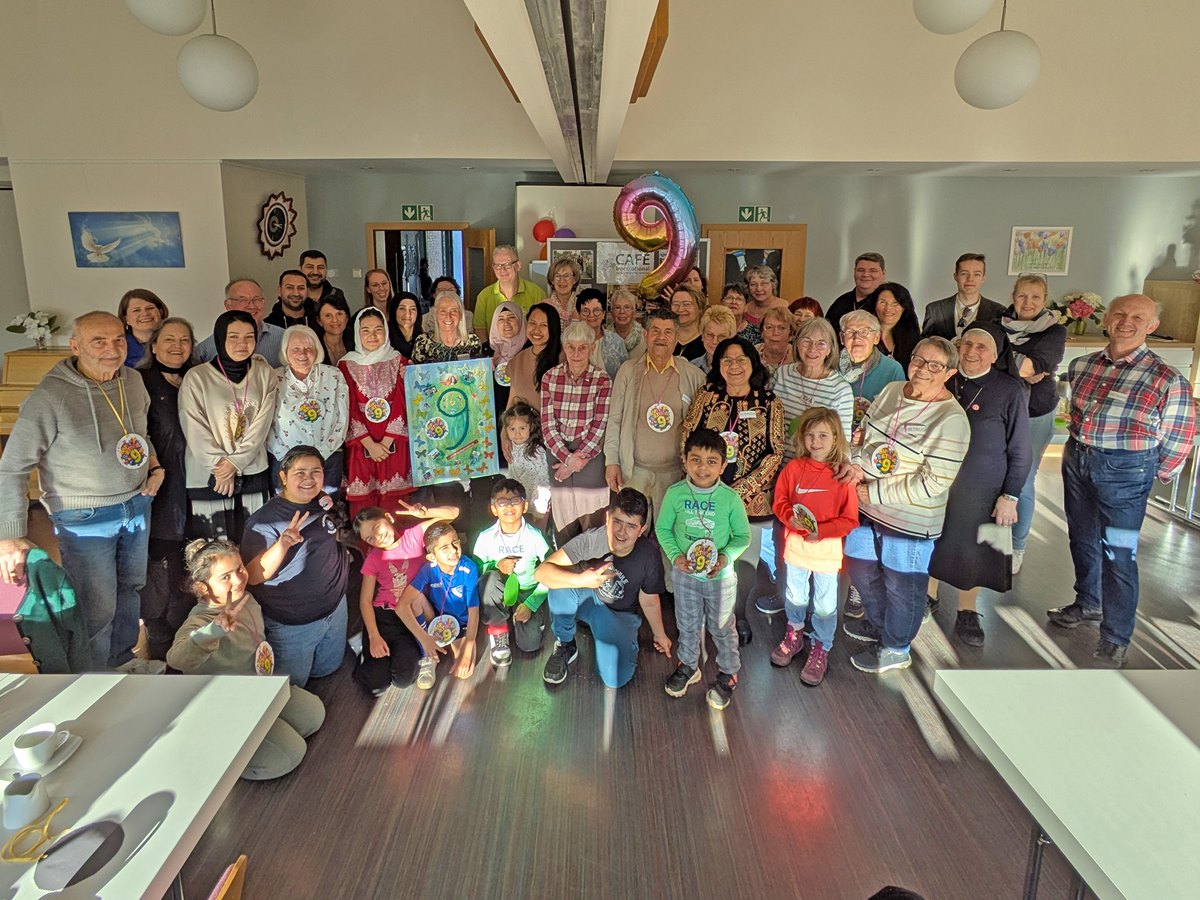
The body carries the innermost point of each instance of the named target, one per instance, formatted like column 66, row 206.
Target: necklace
column 239, row 407
column 132, row 449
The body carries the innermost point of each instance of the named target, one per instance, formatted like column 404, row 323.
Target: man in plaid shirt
column 1132, row 419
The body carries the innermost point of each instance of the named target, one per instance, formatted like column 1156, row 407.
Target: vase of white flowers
column 35, row 325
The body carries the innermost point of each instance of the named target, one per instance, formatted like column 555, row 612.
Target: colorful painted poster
column 1044, row 250
column 451, row 421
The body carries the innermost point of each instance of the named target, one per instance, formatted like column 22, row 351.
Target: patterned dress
column 377, row 412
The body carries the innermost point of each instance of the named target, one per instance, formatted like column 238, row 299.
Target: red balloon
column 543, row 230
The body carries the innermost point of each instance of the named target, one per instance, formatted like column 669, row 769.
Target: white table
column 160, row 753
column 1107, row 763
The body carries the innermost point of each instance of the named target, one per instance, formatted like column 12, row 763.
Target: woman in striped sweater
column 813, row 380
column 914, row 439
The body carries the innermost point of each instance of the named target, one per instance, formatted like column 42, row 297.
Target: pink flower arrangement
column 1079, row 306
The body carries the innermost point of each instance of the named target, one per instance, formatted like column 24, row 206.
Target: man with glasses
column 1132, row 420
column 651, row 396
column 950, row 317
column 509, row 285
column 246, row 294
column 870, row 272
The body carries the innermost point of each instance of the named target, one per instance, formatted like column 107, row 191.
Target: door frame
column 746, row 236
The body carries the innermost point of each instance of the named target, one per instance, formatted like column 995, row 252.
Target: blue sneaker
column 878, row 660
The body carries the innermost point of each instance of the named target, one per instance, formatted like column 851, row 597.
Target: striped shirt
column 574, row 411
column 1137, row 402
column 910, row 455
column 799, row 394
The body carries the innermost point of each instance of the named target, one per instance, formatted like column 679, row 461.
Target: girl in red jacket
column 817, row 511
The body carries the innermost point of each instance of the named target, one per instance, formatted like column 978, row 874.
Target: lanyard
column 445, row 587
column 670, row 378
column 238, row 407
column 120, row 415
column 699, row 512
column 894, row 429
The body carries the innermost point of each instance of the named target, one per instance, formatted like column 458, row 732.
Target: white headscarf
column 382, row 353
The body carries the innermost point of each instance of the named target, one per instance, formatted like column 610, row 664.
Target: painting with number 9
column 451, row 421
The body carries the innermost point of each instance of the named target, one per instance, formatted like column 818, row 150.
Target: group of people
column 747, row 450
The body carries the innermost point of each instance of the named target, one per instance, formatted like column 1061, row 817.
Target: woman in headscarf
column 226, row 409
column 404, row 322
column 505, row 339
column 377, row 464
column 312, row 406
column 1039, row 342
column 975, row 548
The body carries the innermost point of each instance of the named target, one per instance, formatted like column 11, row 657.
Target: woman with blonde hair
column 688, row 305
column 716, row 325
column 776, row 347
column 377, row 289
column 763, row 284
column 623, row 307
column 564, row 277
column 446, row 336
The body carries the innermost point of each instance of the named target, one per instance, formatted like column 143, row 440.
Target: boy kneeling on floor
column 508, row 554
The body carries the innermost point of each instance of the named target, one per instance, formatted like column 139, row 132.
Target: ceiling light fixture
column 217, row 72
column 999, row 68
column 950, row 16
column 169, row 17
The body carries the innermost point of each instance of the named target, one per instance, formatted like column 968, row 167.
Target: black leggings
column 399, row 667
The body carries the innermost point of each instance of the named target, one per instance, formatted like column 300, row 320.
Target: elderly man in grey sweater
column 84, row 430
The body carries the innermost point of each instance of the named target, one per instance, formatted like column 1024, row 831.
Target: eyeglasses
column 735, row 360
column 809, row 342
column 561, row 276
column 935, row 368
column 858, row 334
column 507, row 502
column 505, row 267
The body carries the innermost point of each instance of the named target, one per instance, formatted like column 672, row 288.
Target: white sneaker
column 501, row 653
column 426, row 673
column 137, row 666
column 1018, row 557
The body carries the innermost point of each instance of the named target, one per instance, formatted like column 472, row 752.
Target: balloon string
column 1003, row 14
column 212, row 5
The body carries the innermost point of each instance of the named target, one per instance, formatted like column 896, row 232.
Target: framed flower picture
column 1040, row 249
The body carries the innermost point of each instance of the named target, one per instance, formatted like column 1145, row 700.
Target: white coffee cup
column 25, row 801
column 37, row 746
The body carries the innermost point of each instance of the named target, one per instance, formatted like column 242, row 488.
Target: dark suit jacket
column 939, row 317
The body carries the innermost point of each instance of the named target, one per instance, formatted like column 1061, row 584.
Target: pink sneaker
column 814, row 669
column 792, row 643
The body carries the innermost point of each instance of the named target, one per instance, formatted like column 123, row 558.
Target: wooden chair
column 229, row 885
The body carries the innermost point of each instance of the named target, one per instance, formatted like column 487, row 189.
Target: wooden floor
column 504, row 787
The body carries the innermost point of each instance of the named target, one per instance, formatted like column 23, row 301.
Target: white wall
column 46, row 191
column 244, row 190
column 14, row 296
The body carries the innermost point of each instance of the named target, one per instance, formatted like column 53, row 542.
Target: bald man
column 1132, row 420
column 84, row 430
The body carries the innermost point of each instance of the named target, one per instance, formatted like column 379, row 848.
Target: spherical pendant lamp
column 950, row 16
column 217, row 72
column 998, row 69
column 170, row 17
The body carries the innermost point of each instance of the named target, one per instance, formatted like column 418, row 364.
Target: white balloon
column 217, row 72
column 950, row 16
column 173, row 17
column 998, row 69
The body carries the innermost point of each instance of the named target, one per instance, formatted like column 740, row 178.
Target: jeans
column 614, row 633
column 1041, row 430
column 891, row 572
column 1105, row 493
column 312, row 650
column 824, row 594
column 104, row 551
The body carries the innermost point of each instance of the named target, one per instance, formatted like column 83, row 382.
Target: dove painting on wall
column 126, row 240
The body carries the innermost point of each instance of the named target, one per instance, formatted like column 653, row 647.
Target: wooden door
column 478, row 246
column 754, row 244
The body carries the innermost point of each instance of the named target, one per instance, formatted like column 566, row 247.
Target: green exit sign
column 754, row 214
column 416, row 212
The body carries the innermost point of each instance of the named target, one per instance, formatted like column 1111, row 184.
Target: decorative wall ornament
column 277, row 225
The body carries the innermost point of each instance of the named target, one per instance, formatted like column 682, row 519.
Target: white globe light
column 217, row 72
column 950, row 16
column 173, row 17
column 998, row 69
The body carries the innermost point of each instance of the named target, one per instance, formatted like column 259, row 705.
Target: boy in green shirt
column 702, row 527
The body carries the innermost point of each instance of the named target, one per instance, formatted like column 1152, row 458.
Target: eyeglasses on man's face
column 505, row 267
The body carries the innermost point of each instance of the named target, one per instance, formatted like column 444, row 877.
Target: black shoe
column 932, row 604
column 681, row 679
column 853, row 608
column 967, row 628
column 769, row 605
column 1109, row 655
column 720, row 694
column 1073, row 616
column 560, row 659
column 862, row 630
column 745, row 635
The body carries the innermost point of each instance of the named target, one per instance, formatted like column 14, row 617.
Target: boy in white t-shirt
column 508, row 553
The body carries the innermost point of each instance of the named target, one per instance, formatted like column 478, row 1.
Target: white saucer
column 10, row 768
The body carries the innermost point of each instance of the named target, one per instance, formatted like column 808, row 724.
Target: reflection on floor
column 502, row 787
